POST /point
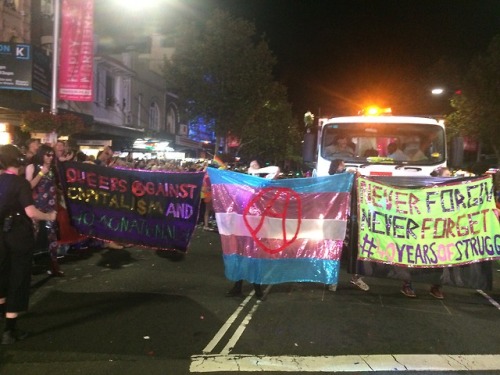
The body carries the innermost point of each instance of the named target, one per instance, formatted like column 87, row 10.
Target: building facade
column 131, row 100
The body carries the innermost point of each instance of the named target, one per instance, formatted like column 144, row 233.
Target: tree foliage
column 477, row 108
column 275, row 136
column 222, row 71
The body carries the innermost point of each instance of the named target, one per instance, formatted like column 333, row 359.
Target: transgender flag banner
column 277, row 231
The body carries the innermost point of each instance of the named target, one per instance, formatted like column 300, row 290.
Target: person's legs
column 53, row 248
column 201, row 217
column 407, row 289
column 18, row 290
column 436, row 291
column 11, row 334
column 206, row 217
column 258, row 291
column 356, row 280
column 236, row 289
column 4, row 275
column 209, row 210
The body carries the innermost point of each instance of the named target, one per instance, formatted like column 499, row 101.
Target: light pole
column 55, row 56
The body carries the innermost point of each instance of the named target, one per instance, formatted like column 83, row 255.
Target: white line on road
column 491, row 300
column 345, row 363
column 239, row 331
column 222, row 331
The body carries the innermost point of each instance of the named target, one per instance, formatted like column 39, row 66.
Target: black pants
column 238, row 286
column 16, row 256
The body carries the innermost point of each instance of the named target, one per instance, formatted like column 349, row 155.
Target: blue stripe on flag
column 337, row 183
column 276, row 271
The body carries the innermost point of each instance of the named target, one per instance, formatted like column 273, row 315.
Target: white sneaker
column 332, row 287
column 360, row 284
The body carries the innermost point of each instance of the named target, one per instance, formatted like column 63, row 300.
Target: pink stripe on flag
column 236, row 198
column 312, row 249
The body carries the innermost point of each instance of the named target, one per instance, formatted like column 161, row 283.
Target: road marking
column 345, row 363
column 222, row 331
column 239, row 331
column 491, row 300
column 226, row 362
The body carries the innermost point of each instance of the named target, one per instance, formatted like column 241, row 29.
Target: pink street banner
column 76, row 52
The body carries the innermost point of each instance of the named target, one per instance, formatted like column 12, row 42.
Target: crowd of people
column 32, row 205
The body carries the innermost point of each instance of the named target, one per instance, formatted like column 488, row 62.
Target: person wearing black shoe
column 236, row 290
column 17, row 240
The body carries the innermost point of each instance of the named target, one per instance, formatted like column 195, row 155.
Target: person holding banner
column 17, row 240
column 206, row 194
column 254, row 167
column 236, row 291
column 270, row 173
column 338, row 166
column 435, row 290
column 104, row 159
column 495, row 174
column 42, row 177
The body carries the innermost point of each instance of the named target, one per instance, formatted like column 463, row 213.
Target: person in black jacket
column 17, row 240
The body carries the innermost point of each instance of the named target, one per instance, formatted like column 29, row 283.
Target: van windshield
column 416, row 144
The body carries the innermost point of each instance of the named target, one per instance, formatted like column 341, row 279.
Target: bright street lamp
column 135, row 5
column 437, row 91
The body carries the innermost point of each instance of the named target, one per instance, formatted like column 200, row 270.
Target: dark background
column 337, row 56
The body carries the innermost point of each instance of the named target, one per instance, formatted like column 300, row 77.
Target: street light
column 437, row 91
column 135, row 5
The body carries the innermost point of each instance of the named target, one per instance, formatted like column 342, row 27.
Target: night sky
column 335, row 56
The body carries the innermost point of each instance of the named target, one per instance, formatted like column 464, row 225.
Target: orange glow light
column 376, row 111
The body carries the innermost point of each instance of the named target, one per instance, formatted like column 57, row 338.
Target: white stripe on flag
column 272, row 228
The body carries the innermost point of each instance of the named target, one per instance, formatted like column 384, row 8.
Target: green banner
column 438, row 226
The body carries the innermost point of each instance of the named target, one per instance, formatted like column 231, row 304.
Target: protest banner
column 152, row 209
column 276, row 231
column 449, row 224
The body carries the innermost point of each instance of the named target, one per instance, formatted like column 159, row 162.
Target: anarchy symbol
column 269, row 199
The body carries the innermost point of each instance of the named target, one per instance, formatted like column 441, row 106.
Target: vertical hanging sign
column 76, row 59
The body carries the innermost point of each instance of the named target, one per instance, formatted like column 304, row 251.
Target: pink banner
column 76, row 52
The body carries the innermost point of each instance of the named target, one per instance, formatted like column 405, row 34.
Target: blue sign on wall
column 15, row 66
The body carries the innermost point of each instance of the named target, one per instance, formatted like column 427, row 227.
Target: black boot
column 11, row 336
column 258, row 292
column 235, row 291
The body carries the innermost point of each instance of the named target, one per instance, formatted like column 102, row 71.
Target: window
column 367, row 143
column 154, row 116
column 110, row 91
column 171, row 119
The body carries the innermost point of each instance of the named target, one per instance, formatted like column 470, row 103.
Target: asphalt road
column 136, row 311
